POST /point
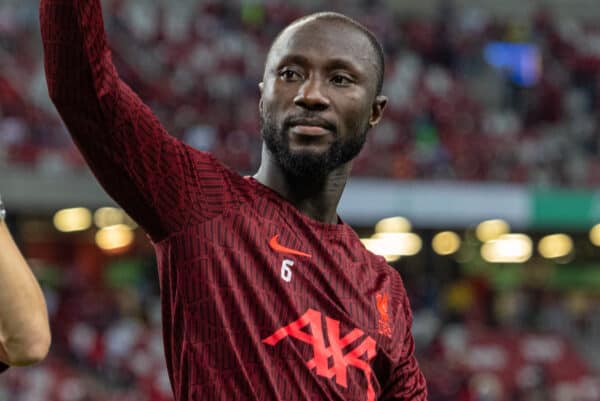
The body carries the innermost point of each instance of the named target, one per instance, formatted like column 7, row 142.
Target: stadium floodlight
column 73, row 219
column 395, row 224
column 491, row 229
column 595, row 235
column 394, row 245
column 115, row 238
column 555, row 246
column 108, row 216
column 446, row 243
column 508, row 248
column 111, row 216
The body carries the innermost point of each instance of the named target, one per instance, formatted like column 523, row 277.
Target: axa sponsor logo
column 333, row 360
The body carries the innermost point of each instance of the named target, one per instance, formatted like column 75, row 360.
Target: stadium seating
column 451, row 114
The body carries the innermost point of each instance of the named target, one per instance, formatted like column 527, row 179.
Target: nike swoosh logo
column 276, row 246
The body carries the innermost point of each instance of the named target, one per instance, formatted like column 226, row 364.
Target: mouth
column 309, row 130
column 310, row 127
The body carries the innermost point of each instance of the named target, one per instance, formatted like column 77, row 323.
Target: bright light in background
column 392, row 246
column 446, row 243
column 379, row 248
column 491, row 229
column 115, row 237
column 111, row 216
column 555, row 246
column 71, row 220
column 522, row 62
column 108, row 216
column 393, row 225
column 508, row 248
column 595, row 235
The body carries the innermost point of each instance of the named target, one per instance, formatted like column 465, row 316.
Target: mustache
column 311, row 120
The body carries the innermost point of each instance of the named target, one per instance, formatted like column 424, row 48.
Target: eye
column 341, row 80
column 289, row 75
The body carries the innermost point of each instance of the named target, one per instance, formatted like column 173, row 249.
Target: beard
column 307, row 164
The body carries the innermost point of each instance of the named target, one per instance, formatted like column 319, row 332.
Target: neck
column 318, row 198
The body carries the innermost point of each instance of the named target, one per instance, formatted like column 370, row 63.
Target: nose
column 311, row 96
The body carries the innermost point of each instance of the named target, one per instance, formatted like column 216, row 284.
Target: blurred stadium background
column 489, row 160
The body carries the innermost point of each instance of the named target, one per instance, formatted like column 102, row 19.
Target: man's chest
column 305, row 302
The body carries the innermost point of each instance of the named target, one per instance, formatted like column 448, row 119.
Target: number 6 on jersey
column 286, row 271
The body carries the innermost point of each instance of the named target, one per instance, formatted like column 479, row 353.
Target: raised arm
column 129, row 151
column 24, row 329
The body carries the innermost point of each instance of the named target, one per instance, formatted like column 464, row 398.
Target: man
column 24, row 329
column 266, row 293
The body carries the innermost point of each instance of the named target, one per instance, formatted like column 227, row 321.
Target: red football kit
column 259, row 302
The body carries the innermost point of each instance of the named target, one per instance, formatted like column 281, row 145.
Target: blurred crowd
column 451, row 114
column 106, row 329
column 482, row 340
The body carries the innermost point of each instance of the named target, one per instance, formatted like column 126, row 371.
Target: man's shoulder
column 379, row 264
column 205, row 164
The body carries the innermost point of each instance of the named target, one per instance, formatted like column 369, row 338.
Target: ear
column 377, row 110
column 261, row 87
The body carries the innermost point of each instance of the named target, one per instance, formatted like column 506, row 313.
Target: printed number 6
column 286, row 272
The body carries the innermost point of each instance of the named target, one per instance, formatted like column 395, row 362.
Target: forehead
column 321, row 40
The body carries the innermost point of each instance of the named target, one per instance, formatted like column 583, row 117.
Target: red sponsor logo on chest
column 332, row 360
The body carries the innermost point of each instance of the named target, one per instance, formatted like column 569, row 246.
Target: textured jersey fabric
column 259, row 302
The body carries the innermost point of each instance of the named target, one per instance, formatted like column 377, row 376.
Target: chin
column 314, row 150
column 304, row 159
column 306, row 163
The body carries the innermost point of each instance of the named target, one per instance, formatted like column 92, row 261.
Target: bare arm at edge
column 24, row 328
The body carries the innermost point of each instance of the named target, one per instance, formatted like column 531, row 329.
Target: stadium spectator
column 453, row 116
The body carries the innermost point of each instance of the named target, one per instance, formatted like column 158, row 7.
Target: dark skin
column 326, row 70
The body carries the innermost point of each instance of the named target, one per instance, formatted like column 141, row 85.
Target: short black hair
column 337, row 17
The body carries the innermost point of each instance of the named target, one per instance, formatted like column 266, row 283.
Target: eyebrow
column 331, row 64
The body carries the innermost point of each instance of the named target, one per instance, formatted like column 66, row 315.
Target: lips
column 309, row 130
column 310, row 126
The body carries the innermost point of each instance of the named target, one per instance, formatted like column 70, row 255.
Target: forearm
column 24, row 328
column 78, row 63
column 122, row 141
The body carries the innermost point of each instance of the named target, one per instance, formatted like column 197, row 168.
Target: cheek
column 357, row 114
column 282, row 93
column 275, row 100
column 268, row 108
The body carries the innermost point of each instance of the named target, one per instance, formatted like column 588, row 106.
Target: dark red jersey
column 259, row 301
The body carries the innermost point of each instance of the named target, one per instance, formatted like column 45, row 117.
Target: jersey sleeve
column 152, row 175
column 406, row 382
